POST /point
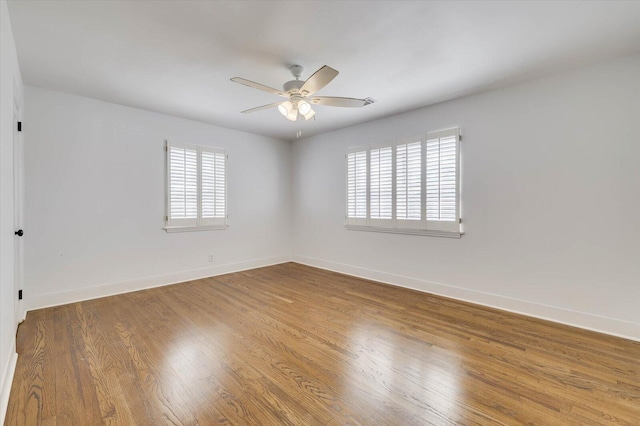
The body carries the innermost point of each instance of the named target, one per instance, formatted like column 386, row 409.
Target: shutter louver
column 221, row 185
column 208, row 185
column 183, row 186
column 381, row 187
column 409, row 184
column 441, row 176
column 357, row 187
column 213, row 187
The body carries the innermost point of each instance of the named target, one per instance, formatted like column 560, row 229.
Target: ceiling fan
column 299, row 94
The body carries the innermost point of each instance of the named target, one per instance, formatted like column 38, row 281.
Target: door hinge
column 19, row 294
column 460, row 220
column 19, row 126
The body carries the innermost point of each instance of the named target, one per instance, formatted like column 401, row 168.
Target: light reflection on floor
column 187, row 355
column 425, row 377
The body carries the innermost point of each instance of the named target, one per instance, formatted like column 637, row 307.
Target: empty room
column 319, row 212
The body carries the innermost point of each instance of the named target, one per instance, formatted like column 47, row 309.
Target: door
column 17, row 213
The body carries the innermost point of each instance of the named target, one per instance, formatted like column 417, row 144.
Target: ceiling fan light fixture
column 285, row 108
column 310, row 114
column 292, row 115
column 304, row 107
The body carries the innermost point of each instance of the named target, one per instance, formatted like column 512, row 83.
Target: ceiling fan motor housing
column 293, row 85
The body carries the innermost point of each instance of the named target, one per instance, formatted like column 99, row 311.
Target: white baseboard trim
column 612, row 326
column 6, row 384
column 21, row 309
column 64, row 297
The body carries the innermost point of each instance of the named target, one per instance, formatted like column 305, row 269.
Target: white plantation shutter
column 442, row 181
column 214, row 205
column 409, row 184
column 196, row 186
column 221, row 185
column 357, row 186
column 183, row 185
column 381, row 186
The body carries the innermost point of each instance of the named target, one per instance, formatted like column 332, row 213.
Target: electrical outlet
column 210, row 257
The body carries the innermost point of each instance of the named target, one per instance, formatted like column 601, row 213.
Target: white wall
column 10, row 92
column 95, row 200
column 551, row 201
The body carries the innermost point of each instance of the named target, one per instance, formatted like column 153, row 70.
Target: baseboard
column 612, row 326
column 21, row 309
column 77, row 295
column 6, row 384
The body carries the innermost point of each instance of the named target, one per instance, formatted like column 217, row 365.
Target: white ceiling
column 176, row 57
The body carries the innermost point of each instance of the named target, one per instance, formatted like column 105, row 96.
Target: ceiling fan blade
column 275, row 104
column 339, row 102
column 318, row 80
column 259, row 86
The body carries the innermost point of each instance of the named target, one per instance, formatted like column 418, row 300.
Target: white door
column 17, row 213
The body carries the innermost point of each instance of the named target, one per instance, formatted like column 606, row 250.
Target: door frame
column 18, row 197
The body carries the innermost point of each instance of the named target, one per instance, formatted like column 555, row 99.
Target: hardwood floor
column 290, row 344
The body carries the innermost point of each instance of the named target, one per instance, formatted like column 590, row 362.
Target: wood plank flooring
column 294, row 345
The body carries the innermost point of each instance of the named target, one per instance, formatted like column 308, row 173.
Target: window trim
column 406, row 231
column 423, row 226
column 172, row 229
column 198, row 224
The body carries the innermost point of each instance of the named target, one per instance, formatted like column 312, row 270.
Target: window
column 196, row 188
column 410, row 186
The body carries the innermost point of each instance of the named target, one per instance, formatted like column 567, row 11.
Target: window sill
column 407, row 231
column 172, row 229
